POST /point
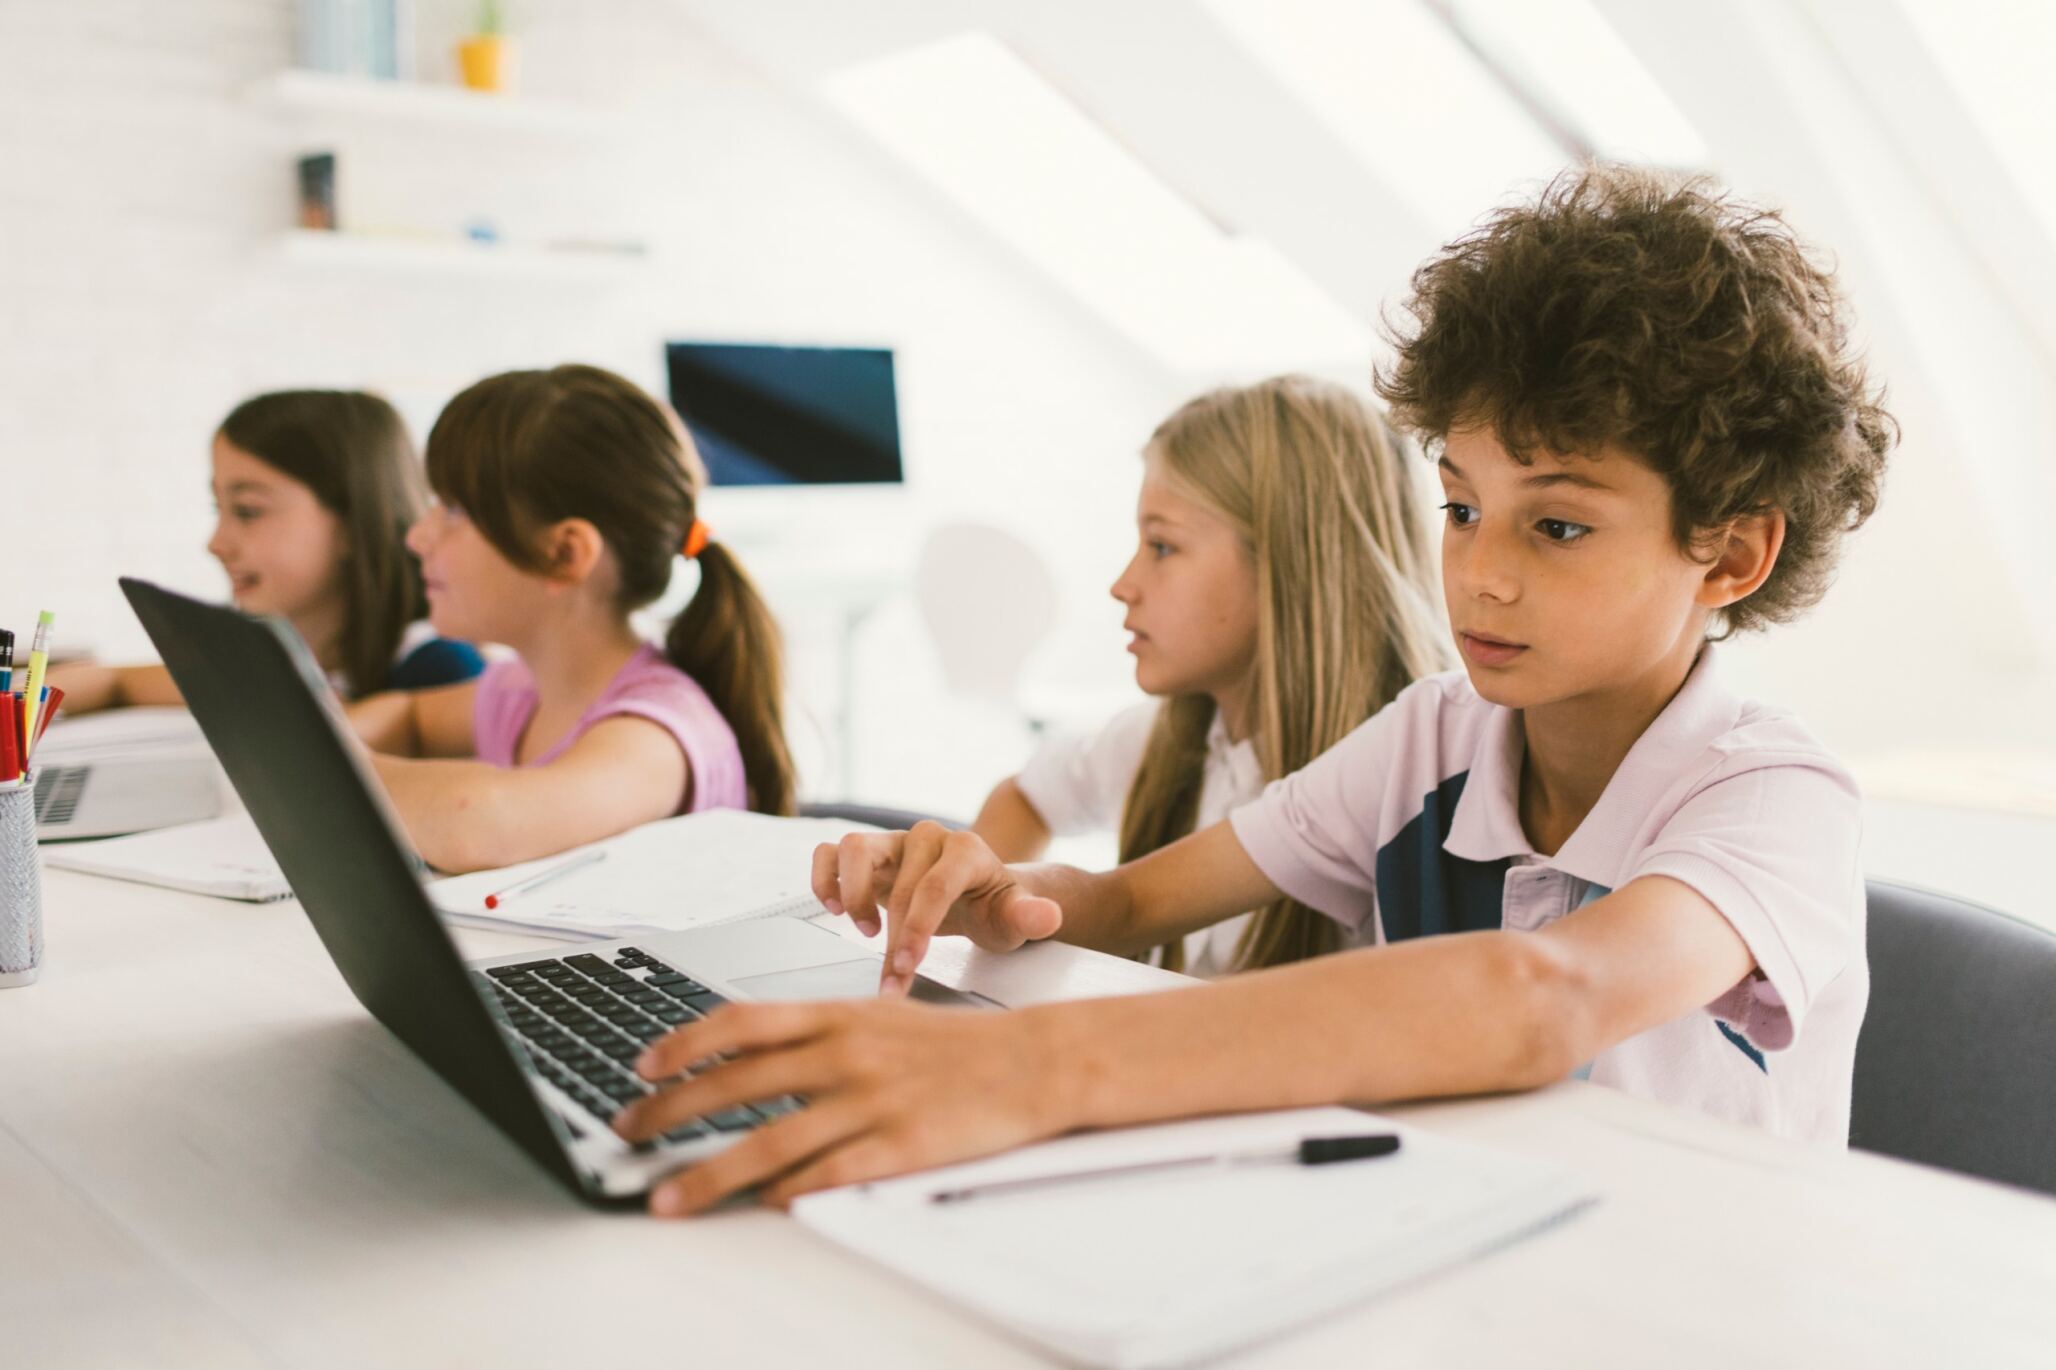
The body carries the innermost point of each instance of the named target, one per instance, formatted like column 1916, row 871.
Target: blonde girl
column 1278, row 597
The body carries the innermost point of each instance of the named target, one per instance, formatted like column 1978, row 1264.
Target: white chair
column 988, row 600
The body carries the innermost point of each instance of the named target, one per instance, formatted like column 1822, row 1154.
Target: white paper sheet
column 1165, row 1268
column 224, row 857
column 681, row 873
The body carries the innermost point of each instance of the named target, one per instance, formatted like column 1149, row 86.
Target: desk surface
column 210, row 1155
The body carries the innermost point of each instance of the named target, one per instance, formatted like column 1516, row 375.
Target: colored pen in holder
column 21, row 886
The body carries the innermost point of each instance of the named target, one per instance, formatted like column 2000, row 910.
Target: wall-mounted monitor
column 764, row 415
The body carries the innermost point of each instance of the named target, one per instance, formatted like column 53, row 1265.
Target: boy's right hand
column 930, row 880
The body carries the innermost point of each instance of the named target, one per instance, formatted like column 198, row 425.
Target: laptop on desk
column 541, row 1045
column 128, row 770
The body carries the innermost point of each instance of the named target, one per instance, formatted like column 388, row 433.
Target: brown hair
column 353, row 452
column 1626, row 308
column 1317, row 484
column 525, row 449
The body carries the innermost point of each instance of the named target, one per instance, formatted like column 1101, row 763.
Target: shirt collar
column 1238, row 757
column 1487, row 824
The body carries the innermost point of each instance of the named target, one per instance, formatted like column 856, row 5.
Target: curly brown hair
column 1629, row 309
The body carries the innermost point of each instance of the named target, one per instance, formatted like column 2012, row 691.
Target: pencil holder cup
column 21, row 888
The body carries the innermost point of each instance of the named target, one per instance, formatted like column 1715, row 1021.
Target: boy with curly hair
column 1579, row 854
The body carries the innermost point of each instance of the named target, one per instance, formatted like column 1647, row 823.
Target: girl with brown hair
column 567, row 497
column 314, row 491
column 1279, row 597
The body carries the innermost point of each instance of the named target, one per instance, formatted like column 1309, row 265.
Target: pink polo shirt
column 1410, row 826
column 650, row 687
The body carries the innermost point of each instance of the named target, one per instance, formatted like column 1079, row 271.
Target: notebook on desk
column 224, row 857
column 1166, row 1268
column 695, row 871
column 691, row 872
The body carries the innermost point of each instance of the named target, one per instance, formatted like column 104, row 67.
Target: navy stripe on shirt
column 1423, row 890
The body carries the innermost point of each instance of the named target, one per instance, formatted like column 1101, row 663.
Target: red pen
column 53, row 700
column 10, row 759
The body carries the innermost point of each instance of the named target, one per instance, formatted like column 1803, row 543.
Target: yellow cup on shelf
column 488, row 61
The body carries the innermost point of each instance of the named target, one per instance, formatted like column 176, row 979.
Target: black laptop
column 540, row 1044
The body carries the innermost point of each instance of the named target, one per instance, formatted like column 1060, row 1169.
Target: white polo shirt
column 1410, row 826
column 1080, row 784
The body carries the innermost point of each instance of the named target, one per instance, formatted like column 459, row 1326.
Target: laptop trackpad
column 856, row 979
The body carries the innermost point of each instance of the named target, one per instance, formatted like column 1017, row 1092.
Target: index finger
column 734, row 1027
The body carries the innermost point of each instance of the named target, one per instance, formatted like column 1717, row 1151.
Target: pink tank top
column 649, row 686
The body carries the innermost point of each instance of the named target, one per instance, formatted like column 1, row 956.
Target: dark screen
column 789, row 415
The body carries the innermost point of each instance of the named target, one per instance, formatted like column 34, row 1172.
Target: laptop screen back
column 266, row 711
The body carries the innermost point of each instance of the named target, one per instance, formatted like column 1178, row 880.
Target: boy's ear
column 572, row 548
column 1744, row 554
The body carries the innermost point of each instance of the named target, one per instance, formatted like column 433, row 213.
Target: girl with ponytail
column 1279, row 595
column 565, row 500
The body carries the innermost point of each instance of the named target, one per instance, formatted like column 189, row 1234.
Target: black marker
column 1310, row 1151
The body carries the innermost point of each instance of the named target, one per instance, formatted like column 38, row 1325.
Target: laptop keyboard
column 582, row 1020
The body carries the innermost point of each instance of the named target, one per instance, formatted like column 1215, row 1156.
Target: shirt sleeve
column 677, row 704
column 1774, row 848
column 1314, row 833
column 1080, row 783
column 439, row 661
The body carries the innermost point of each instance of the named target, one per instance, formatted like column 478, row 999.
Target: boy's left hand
column 892, row 1087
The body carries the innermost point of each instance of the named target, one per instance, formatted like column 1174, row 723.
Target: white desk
column 210, row 1156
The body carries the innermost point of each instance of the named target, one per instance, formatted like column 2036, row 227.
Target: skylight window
column 1996, row 55
column 1028, row 165
column 1566, row 54
column 1406, row 96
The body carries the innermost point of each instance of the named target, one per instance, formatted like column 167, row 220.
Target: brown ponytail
column 727, row 640
column 528, row 448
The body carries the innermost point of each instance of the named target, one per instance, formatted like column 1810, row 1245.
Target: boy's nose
column 1484, row 569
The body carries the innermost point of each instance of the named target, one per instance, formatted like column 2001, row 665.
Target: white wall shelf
column 325, row 95
column 403, row 254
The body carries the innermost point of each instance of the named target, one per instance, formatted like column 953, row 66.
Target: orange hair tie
column 696, row 538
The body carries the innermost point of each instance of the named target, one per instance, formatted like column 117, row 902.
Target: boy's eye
column 1159, row 550
column 244, row 513
column 1562, row 530
column 1462, row 515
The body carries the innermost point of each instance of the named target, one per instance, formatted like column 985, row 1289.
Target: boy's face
column 1562, row 576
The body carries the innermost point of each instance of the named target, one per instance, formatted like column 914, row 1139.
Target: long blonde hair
column 1316, row 482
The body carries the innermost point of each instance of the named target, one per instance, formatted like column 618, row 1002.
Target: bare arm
column 467, row 815
column 1010, row 825
column 901, row 1086
column 435, row 722
column 89, row 687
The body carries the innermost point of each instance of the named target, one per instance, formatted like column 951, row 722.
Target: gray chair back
column 1956, row 1062
column 874, row 814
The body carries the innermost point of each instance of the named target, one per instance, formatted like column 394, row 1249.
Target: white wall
column 141, row 193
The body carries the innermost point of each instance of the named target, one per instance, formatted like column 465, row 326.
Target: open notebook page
column 688, row 872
